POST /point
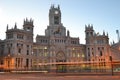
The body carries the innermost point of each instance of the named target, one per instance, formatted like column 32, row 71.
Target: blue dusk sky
column 103, row 14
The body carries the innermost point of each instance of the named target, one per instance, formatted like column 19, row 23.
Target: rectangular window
column 16, row 63
column 19, row 50
column 27, row 46
column 9, row 50
column 88, row 53
column 56, row 20
column 9, row 36
column 19, row 36
column 27, row 52
column 27, row 63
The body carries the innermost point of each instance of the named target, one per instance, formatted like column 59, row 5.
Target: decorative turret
column 28, row 25
column 7, row 28
column 68, row 33
column 89, row 30
column 15, row 27
column 89, row 33
column 118, row 35
column 103, row 33
column 107, row 34
column 59, row 7
column 26, row 22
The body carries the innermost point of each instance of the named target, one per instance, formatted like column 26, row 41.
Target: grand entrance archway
column 60, row 57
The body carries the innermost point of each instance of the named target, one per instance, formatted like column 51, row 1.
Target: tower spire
column 107, row 33
column 52, row 5
column 15, row 27
column 117, row 32
column 68, row 33
column 58, row 6
column 7, row 27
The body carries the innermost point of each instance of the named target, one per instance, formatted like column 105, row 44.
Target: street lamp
column 9, row 62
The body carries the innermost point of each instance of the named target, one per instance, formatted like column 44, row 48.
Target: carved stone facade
column 56, row 45
column 17, row 48
column 97, row 47
column 18, row 51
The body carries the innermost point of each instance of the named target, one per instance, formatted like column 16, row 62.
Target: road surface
column 53, row 76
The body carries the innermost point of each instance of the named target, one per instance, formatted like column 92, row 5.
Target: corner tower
column 28, row 25
column 89, row 32
column 28, row 28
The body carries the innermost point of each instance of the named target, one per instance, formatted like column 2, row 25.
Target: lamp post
column 111, row 65
column 9, row 66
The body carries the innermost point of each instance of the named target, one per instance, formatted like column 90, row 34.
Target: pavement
column 55, row 76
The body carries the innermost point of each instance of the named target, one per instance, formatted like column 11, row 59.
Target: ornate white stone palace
column 18, row 51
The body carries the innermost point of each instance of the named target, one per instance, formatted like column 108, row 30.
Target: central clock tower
column 54, row 16
column 55, row 27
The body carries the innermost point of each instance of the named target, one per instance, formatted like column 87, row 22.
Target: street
column 53, row 76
